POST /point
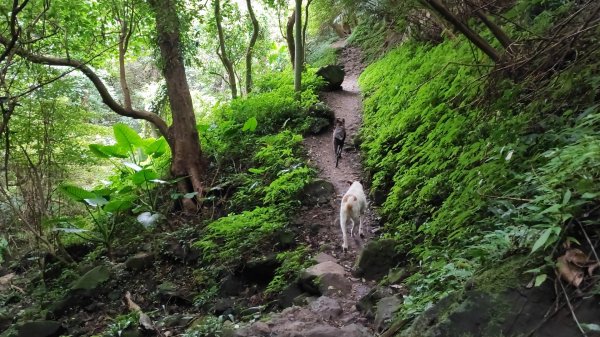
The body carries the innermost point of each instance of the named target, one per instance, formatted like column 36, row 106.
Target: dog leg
column 343, row 225
column 360, row 231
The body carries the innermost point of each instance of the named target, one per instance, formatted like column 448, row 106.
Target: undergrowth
column 256, row 142
column 471, row 179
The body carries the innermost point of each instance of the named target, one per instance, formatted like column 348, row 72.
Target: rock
column 318, row 191
column 180, row 250
column 260, row 271
column 322, row 257
column 41, row 329
column 333, row 75
column 321, row 330
column 386, row 307
column 176, row 320
column 327, row 267
column 321, row 110
column 261, row 328
column 510, row 312
column 355, row 330
column 317, row 279
column 333, row 283
column 5, row 321
column 367, row 305
column 169, row 292
column 92, row 279
column 377, row 258
column 131, row 331
column 288, row 296
column 231, row 286
column 139, row 261
column 223, row 306
column 318, row 125
column 326, row 307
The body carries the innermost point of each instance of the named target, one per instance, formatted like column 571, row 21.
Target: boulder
column 333, row 75
column 367, row 304
column 223, row 306
column 318, row 125
column 139, row 261
column 5, row 321
column 288, row 296
column 377, row 258
column 326, row 307
column 327, row 267
column 386, row 307
column 321, row 110
column 91, row 280
column 324, row 278
column 41, row 329
column 318, row 191
column 169, row 292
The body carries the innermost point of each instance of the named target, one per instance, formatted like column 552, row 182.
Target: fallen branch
column 144, row 320
column 571, row 309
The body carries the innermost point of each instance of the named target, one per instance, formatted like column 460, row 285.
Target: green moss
column 504, row 275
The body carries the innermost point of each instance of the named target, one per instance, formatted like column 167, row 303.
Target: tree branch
column 475, row 38
column 95, row 79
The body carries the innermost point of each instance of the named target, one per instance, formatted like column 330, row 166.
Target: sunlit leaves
column 76, row 193
column 126, row 136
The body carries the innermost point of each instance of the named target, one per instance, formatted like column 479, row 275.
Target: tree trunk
column 255, row 30
column 477, row 40
column 289, row 37
column 304, row 30
column 183, row 136
column 299, row 48
column 505, row 41
column 123, row 42
column 223, row 53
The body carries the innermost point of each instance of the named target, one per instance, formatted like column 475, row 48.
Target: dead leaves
column 571, row 266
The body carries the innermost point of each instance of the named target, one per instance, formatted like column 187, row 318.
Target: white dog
column 354, row 204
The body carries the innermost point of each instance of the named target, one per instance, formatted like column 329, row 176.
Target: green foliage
column 132, row 189
column 209, row 326
column 122, row 323
column 3, row 248
column 370, row 36
column 292, row 263
column 319, row 52
column 247, row 232
column 470, row 184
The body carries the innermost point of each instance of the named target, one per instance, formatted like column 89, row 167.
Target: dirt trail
column 335, row 313
column 345, row 103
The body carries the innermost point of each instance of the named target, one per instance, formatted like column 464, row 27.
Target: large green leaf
column 119, row 205
column 76, row 193
column 108, row 151
column 144, row 175
column 542, row 240
column 96, row 201
column 156, row 148
column 126, row 136
column 250, row 124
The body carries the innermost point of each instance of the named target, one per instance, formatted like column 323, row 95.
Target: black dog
column 339, row 136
